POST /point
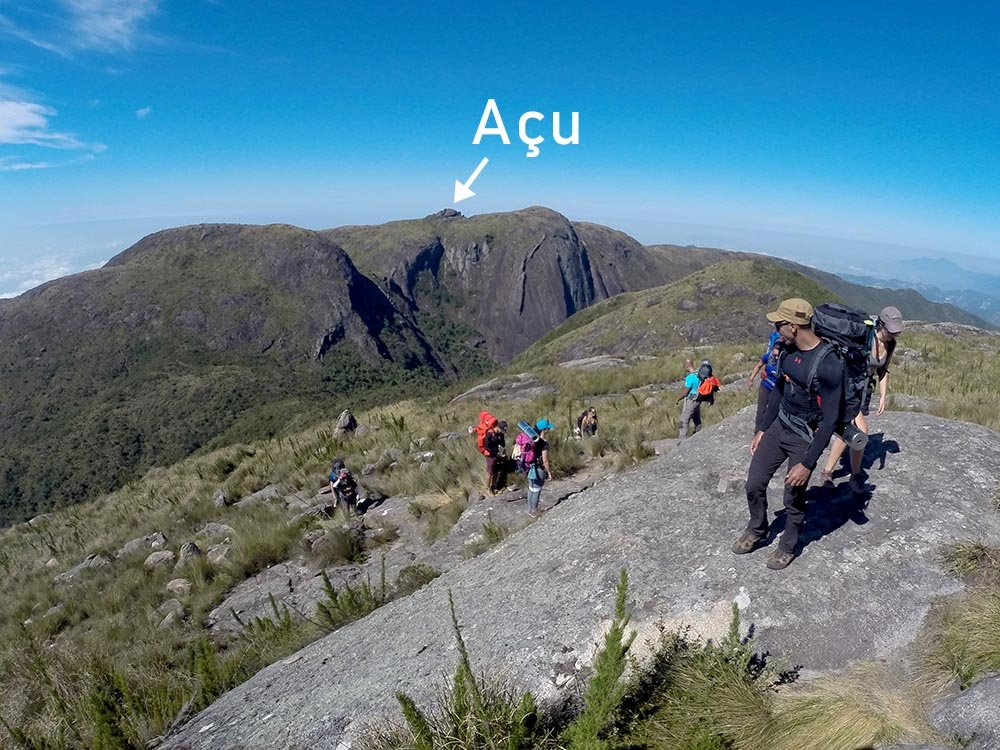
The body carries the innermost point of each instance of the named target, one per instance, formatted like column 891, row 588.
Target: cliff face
column 509, row 277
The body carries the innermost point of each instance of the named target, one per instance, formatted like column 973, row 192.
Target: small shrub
column 339, row 545
column 605, row 689
column 963, row 642
column 965, row 558
column 350, row 603
column 442, row 519
column 413, row 577
column 472, row 713
column 493, row 534
column 263, row 538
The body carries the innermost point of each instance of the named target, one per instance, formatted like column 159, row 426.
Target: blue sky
column 811, row 131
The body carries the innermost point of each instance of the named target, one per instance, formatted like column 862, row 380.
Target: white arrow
column 462, row 188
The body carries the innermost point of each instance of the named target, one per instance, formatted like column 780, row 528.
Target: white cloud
column 13, row 283
column 15, row 164
column 28, row 123
column 112, row 26
column 18, row 164
column 108, row 25
column 142, row 113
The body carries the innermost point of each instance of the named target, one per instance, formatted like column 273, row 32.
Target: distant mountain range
column 213, row 334
column 941, row 280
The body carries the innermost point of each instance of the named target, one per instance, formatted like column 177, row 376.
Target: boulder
column 162, row 559
column 218, row 554
column 345, row 423
column 294, row 502
column 973, row 714
column 142, row 544
column 219, row 499
column 169, row 614
column 94, row 561
column 392, row 454
column 651, row 401
column 189, row 552
column 54, row 610
column 179, row 587
column 51, row 564
column 447, row 437
column 214, row 531
column 266, row 495
column 368, row 470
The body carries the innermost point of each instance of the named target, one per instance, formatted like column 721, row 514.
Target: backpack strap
column 825, row 348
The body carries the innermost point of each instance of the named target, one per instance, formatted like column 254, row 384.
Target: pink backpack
column 524, row 452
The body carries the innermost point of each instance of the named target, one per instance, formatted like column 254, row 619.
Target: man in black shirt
column 801, row 415
column 496, row 457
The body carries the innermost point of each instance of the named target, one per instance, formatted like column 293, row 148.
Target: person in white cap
column 888, row 325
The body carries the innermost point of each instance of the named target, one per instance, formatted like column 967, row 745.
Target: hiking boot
column 746, row 542
column 779, row 559
column 857, row 484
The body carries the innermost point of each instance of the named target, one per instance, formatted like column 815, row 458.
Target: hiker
column 586, row 423
column 699, row 386
column 343, row 486
column 767, row 367
column 539, row 469
column 496, row 457
column 802, row 413
column 486, row 426
column 888, row 325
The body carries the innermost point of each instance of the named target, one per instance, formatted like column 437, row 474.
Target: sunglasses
column 780, row 323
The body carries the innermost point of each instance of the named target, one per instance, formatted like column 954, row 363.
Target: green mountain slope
column 195, row 335
column 721, row 304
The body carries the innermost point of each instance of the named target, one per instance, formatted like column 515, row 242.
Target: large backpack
column 524, row 454
column 704, row 372
column 846, row 334
column 486, row 423
column 850, row 333
column 707, row 389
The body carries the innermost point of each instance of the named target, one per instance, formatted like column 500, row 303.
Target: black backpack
column 704, row 372
column 847, row 335
column 850, row 333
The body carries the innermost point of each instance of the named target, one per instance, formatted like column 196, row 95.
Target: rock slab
column 861, row 588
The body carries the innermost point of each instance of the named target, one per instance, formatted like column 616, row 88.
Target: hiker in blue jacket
column 540, row 470
column 767, row 368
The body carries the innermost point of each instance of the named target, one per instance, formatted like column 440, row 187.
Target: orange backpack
column 708, row 387
column 486, row 423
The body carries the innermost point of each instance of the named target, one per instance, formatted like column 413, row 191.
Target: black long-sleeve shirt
column 792, row 393
column 495, row 444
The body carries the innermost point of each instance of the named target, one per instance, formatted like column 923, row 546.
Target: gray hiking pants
column 690, row 413
column 778, row 445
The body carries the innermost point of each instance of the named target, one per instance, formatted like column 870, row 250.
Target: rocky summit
column 536, row 605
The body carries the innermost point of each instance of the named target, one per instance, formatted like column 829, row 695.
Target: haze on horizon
column 838, row 136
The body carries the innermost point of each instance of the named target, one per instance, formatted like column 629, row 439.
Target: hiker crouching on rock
column 343, row 485
column 586, row 423
column 539, row 470
column 801, row 415
column 496, row 457
column 888, row 325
